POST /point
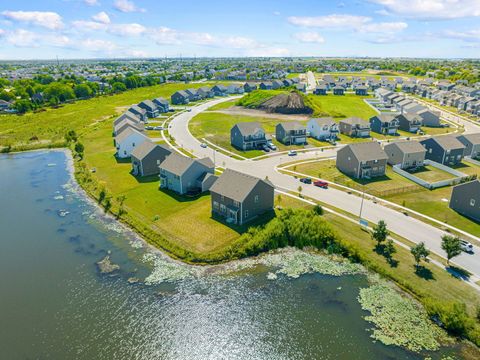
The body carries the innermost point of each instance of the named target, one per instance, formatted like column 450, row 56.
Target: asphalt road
column 405, row 226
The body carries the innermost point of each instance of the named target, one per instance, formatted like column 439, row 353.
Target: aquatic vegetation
column 399, row 320
column 165, row 270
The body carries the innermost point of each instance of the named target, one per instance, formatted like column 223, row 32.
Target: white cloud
column 91, row 2
column 22, row 38
column 330, row 21
column 136, row 53
column 164, row 36
column 98, row 45
column 126, row 29
column 2, row 32
column 47, row 19
column 431, row 9
column 240, row 42
column 383, row 27
column 126, row 6
column 470, row 35
column 309, row 37
column 101, row 17
column 86, row 25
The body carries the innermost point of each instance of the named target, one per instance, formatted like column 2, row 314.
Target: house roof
column 472, row 138
column 178, row 164
column 126, row 133
column 408, row 147
column 248, row 128
column 410, row 117
column 145, row 148
column 368, row 151
column 128, row 122
column 236, row 185
column 182, row 93
column 292, row 125
column 161, row 100
column 354, row 121
column 149, row 104
column 137, row 109
column 384, row 118
column 467, row 186
column 323, row 121
column 448, row 142
column 127, row 115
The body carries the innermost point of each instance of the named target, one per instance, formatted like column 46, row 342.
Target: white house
column 127, row 140
column 322, row 128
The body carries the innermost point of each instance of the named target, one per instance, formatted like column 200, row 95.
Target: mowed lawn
column 50, row 125
column 348, row 105
column 187, row 221
column 215, row 127
column 432, row 174
column 378, row 186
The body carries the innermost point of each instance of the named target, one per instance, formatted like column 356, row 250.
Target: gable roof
column 354, row 121
column 145, row 148
column 323, row 121
column 178, row 164
column 236, row 185
column 149, row 104
column 161, row 100
column 292, row 125
column 127, row 115
column 368, row 151
column 249, row 128
column 408, row 147
column 384, row 118
column 126, row 133
column 448, row 142
column 471, row 138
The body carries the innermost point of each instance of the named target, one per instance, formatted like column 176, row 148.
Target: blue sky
column 134, row 28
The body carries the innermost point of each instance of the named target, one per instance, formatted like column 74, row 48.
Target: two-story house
column 362, row 160
column 446, row 149
column 406, row 154
column 147, row 157
column 472, row 144
column 354, row 127
column 322, row 128
column 386, row 124
column 409, row 122
column 150, row 107
column 248, row 136
column 291, row 133
column 466, row 199
column 127, row 140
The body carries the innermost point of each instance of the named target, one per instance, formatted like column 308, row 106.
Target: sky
column 78, row 29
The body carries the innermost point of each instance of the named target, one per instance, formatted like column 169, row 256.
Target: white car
column 271, row 146
column 292, row 153
column 466, row 246
column 203, row 145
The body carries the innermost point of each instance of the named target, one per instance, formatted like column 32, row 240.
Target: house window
column 246, row 214
column 215, row 205
column 236, row 204
column 222, row 198
column 223, row 208
column 430, row 150
column 133, row 144
column 459, row 157
column 124, row 152
column 472, row 202
column 256, row 199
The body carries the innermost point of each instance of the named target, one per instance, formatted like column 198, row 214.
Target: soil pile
column 291, row 103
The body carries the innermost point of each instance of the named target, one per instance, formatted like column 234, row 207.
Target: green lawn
column 378, row 186
column 342, row 106
column 223, row 105
column 50, row 125
column 432, row 174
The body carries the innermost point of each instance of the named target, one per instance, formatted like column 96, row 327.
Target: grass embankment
column 396, row 188
column 257, row 97
column 48, row 127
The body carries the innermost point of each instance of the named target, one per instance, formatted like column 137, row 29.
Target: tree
column 22, row 106
column 318, row 210
column 419, row 252
column 79, row 148
column 83, row 91
column 62, row 92
column 380, row 232
column 452, row 246
column 71, row 136
column 389, row 250
column 118, row 87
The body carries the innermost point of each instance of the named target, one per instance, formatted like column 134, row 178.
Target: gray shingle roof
column 472, row 138
column 249, row 128
column 323, row 121
column 236, row 185
column 126, row 133
column 292, row 125
column 146, row 148
column 385, row 118
column 408, row 147
column 355, row 120
column 368, row 151
column 448, row 142
column 178, row 164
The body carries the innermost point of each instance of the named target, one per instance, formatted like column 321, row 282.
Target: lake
column 55, row 303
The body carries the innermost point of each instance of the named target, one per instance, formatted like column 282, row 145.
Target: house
column 288, row 82
column 390, row 98
column 4, row 105
column 354, row 127
column 127, row 140
column 472, row 145
column 465, row 199
column 249, row 87
column 180, row 97
column 126, row 115
column 267, row 85
column 409, row 122
column 147, row 157
column 320, row 90
column 386, row 124
column 126, row 123
column 401, row 104
column 361, row 90
column 219, row 90
column 248, row 136
column 192, row 94
column 338, row 90
column 413, row 107
column 322, row 128
column 445, row 85
column 138, row 112
column 446, row 150
column 277, row 84
column 162, row 104
column 239, row 198
column 382, row 94
column 205, row 92
column 362, row 160
column 406, row 154
column 429, row 118
column 301, row 87
column 183, row 174
column 150, row 108
column 291, row 133
column 235, row 89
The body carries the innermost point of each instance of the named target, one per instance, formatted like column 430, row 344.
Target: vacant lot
column 343, row 106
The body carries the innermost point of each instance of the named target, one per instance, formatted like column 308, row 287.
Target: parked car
column 466, row 246
column 148, row 127
column 320, row 183
column 306, row 180
column 203, row 145
column 292, row 153
column 157, row 128
column 272, row 146
column 266, row 148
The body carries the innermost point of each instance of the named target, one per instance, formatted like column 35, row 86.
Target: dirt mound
column 291, row 103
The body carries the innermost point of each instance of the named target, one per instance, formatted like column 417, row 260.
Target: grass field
column 432, row 174
column 49, row 127
column 343, row 106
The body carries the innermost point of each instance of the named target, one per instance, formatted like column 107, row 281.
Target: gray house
column 446, row 150
column 409, row 122
column 248, row 136
column 192, row 94
column 429, row 118
column 249, row 86
column 150, row 108
column 239, row 197
column 362, row 160
column 386, row 124
column 205, row 92
column 219, row 90
column 338, row 90
column 147, row 157
column 472, row 144
column 180, row 98
column 407, row 154
column 126, row 115
column 361, row 90
column 126, row 123
column 266, row 85
column 320, row 90
column 138, row 112
column 291, row 133
column 354, row 127
column 162, row 104
column 466, row 199
column 186, row 175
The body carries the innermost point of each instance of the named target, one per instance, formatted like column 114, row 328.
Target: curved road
column 405, row 226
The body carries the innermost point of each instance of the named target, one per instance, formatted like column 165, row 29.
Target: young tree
column 380, row 232
column 452, row 247
column 79, row 148
column 389, row 250
column 419, row 252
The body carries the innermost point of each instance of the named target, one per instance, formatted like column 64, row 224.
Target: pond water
column 55, row 304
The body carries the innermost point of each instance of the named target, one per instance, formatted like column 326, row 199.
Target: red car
column 320, row 183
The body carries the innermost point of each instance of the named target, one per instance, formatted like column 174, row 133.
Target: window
column 222, row 198
column 430, row 150
column 472, row 202
column 236, row 203
column 223, row 208
column 124, row 152
column 215, row 205
column 256, row 199
column 246, row 214
column 133, row 144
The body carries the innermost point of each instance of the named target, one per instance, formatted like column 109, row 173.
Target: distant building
column 150, row 107
column 338, row 90
column 361, row 90
column 354, row 127
column 322, row 128
column 138, row 112
column 472, row 144
column 320, row 90
column 249, row 87
column 465, row 199
column 180, row 98
column 162, row 104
